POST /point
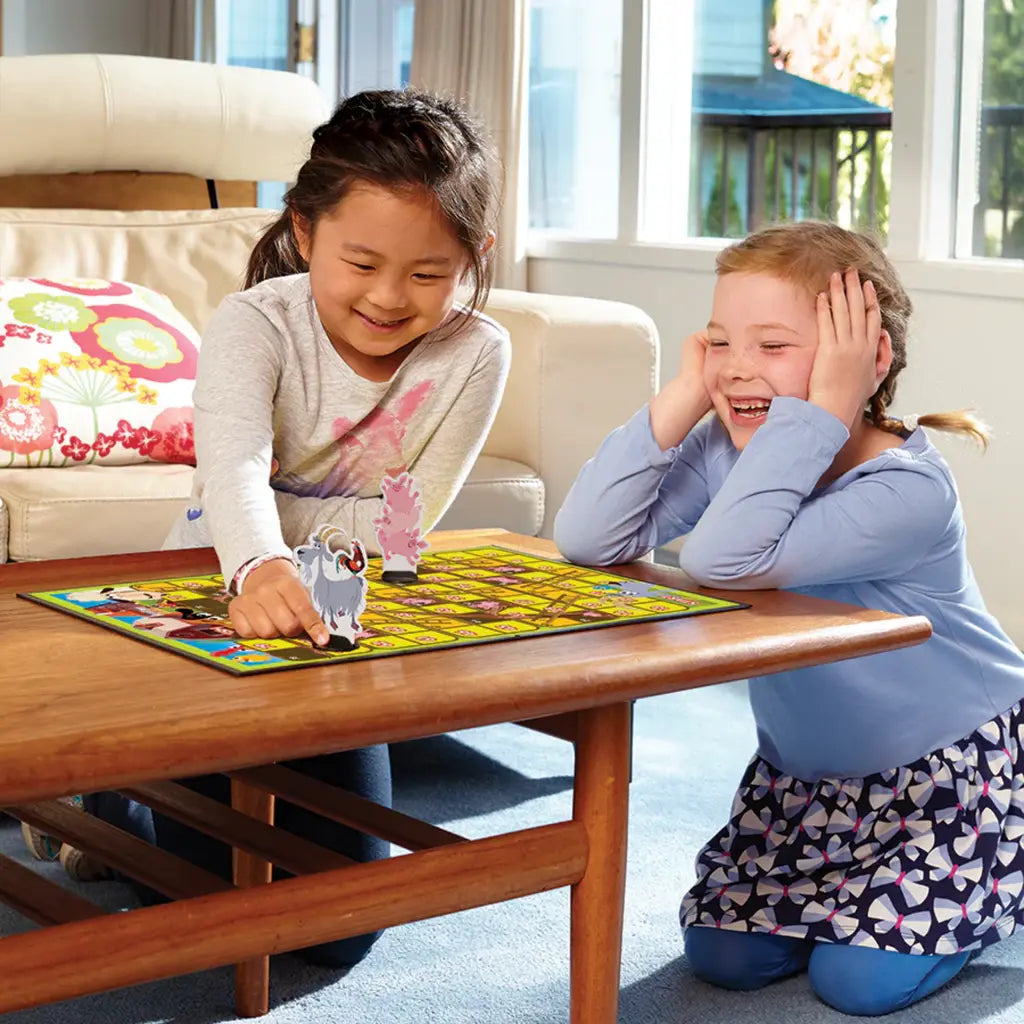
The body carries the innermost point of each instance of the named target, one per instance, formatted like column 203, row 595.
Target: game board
column 471, row 596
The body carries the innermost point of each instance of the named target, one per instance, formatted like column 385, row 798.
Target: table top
column 84, row 708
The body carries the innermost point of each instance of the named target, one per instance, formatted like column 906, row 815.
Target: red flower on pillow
column 176, row 442
column 25, row 428
column 145, row 440
column 85, row 287
column 125, row 434
column 75, row 449
column 152, row 348
column 104, row 444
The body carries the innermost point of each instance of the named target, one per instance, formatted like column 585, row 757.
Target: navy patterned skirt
column 926, row 858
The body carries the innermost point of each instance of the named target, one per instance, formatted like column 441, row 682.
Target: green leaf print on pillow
column 54, row 312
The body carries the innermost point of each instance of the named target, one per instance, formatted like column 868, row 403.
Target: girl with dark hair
column 346, row 358
column 874, row 840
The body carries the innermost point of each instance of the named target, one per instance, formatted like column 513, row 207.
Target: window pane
column 792, row 110
column 258, row 37
column 997, row 227
column 377, row 47
column 405, row 15
column 575, row 58
column 258, row 34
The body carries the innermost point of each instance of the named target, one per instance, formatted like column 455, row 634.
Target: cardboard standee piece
column 399, row 530
column 336, row 581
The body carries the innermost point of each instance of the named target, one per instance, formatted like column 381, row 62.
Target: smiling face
column 383, row 270
column 763, row 334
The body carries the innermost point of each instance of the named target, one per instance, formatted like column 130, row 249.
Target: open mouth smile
column 382, row 325
column 749, row 408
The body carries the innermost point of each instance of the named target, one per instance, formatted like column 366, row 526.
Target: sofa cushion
column 93, row 371
column 77, row 511
column 195, row 257
column 498, row 493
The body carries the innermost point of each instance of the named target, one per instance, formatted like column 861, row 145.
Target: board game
column 471, row 596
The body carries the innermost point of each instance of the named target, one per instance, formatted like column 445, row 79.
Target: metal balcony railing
column 999, row 210
column 746, row 177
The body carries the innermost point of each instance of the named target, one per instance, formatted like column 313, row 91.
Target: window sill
column 696, row 255
column 993, row 278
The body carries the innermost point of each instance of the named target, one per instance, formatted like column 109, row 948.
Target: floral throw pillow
column 93, row 372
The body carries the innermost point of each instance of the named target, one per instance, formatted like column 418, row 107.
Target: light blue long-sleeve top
column 888, row 534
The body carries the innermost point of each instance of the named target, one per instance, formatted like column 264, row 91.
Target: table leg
column 252, row 977
column 601, row 803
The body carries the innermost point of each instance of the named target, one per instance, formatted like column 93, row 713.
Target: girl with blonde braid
column 875, row 838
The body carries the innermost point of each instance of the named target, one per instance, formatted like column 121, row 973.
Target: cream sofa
column 580, row 366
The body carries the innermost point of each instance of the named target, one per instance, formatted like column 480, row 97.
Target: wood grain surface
column 85, row 708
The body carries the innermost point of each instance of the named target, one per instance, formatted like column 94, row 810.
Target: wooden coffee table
column 84, row 709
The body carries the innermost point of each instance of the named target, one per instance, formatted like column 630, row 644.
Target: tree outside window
column 999, row 209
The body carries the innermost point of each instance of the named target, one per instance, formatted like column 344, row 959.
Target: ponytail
column 276, row 254
column 962, row 421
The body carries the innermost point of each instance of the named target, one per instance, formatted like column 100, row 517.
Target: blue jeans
column 856, row 980
column 366, row 773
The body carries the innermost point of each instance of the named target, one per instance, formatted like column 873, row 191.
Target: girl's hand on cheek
column 849, row 328
column 684, row 400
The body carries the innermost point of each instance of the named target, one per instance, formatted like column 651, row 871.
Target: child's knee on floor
column 869, row 982
column 743, row 960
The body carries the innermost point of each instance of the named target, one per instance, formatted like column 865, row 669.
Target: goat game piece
column 398, row 529
column 336, row 584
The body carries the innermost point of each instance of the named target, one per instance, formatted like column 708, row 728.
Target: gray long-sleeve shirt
column 271, row 385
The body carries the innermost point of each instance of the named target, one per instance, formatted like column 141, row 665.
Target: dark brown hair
column 408, row 142
column 806, row 253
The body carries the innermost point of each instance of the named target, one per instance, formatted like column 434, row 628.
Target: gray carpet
column 509, row 963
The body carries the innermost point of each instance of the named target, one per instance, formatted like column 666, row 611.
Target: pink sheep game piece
column 398, row 529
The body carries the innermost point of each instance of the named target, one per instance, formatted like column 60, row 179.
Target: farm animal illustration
column 178, row 629
column 638, row 588
column 336, row 583
column 398, row 529
column 466, row 596
column 127, row 594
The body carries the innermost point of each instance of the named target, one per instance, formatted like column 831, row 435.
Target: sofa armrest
column 580, row 368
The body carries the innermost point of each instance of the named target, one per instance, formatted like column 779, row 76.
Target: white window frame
column 972, row 53
column 927, row 150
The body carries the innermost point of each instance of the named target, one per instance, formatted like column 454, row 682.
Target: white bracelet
column 254, row 563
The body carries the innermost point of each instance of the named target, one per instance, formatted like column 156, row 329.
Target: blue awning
column 778, row 99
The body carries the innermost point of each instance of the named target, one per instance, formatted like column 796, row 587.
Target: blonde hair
column 806, row 253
